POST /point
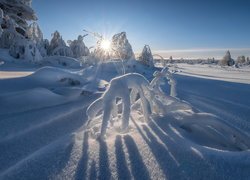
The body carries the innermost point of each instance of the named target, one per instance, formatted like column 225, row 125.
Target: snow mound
column 57, row 75
column 29, row 100
column 46, row 77
column 61, row 61
column 203, row 129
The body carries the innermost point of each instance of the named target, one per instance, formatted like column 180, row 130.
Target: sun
column 105, row 44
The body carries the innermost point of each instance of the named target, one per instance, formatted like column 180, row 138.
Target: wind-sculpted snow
column 45, row 136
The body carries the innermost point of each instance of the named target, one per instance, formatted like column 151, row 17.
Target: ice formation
column 120, row 88
column 146, row 57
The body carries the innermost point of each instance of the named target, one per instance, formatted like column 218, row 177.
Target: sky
column 181, row 28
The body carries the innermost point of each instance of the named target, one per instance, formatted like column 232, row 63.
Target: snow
column 203, row 132
column 237, row 75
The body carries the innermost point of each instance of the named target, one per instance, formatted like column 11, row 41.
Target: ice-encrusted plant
column 120, row 87
column 156, row 82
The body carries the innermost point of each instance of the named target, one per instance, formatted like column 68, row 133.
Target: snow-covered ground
column 216, row 72
column 202, row 134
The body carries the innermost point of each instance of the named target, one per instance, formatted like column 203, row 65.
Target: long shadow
column 81, row 170
column 184, row 161
column 121, row 165
column 139, row 170
column 104, row 171
column 166, row 162
column 43, row 167
column 93, row 173
column 161, row 154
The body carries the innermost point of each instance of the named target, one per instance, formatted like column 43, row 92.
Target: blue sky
column 182, row 28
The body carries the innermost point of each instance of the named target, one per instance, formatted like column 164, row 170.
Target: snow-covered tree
column 146, row 57
column 58, row 46
column 35, row 34
column 227, row 60
column 9, row 34
column 241, row 60
column 171, row 59
column 62, row 51
column 1, row 21
column 78, row 47
column 121, row 48
column 20, row 12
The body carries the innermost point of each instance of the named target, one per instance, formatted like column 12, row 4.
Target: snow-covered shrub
column 146, row 57
column 120, row 88
column 62, row 51
column 78, row 47
column 25, row 49
column 121, row 48
column 227, row 60
column 156, row 82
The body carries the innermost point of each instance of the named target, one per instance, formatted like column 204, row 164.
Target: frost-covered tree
column 35, row 34
column 1, row 21
column 171, row 59
column 58, row 46
column 227, row 60
column 146, row 57
column 20, row 12
column 78, row 47
column 241, row 60
column 9, row 34
column 15, row 16
column 121, row 48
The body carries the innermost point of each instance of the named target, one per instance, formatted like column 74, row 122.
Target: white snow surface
column 203, row 133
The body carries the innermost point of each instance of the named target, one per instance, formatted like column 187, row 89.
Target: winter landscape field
column 72, row 111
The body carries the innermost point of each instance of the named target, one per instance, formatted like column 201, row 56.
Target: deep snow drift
column 203, row 133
